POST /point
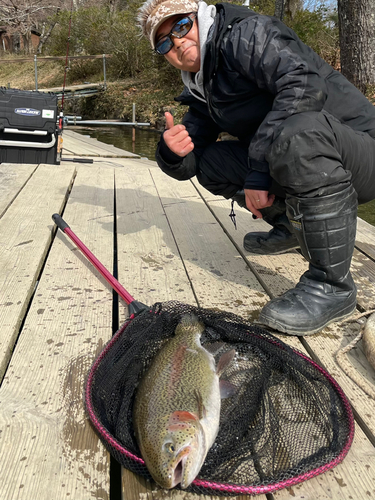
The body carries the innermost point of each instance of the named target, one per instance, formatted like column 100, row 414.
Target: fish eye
column 170, row 447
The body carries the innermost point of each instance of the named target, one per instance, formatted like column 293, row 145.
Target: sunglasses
column 179, row 30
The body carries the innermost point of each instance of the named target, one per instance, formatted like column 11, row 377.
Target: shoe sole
column 299, row 333
column 261, row 251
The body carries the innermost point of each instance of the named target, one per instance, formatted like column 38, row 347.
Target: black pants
column 312, row 153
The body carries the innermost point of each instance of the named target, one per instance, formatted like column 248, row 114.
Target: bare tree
column 357, row 41
column 22, row 16
column 287, row 7
column 292, row 7
column 47, row 31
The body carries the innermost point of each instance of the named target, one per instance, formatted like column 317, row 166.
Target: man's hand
column 258, row 199
column 177, row 138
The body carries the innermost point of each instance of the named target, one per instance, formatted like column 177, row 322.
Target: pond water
column 145, row 139
column 145, row 145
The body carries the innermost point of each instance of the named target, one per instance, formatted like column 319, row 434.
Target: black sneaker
column 274, row 242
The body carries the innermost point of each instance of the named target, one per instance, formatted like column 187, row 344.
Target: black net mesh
column 286, row 418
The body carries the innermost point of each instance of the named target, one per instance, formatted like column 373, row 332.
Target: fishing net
column 288, row 420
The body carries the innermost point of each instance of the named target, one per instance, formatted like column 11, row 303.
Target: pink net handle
column 61, row 224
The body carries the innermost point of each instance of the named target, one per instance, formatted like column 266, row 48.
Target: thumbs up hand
column 177, row 138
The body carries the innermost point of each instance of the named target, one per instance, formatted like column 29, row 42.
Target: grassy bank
column 151, row 96
column 150, row 102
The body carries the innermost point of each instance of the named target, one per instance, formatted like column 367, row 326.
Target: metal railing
column 57, row 58
column 77, row 120
column 103, row 56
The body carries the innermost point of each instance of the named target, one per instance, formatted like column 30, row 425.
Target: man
column 306, row 148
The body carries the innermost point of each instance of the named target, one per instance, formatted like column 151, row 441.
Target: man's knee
column 297, row 123
column 223, row 167
column 304, row 155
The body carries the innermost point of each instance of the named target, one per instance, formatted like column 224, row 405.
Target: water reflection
column 145, row 145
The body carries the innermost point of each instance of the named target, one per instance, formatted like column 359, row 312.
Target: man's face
column 185, row 53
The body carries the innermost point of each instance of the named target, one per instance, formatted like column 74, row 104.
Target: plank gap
column 8, row 360
column 115, row 296
column 365, row 250
column 175, row 241
column 362, row 424
column 10, row 201
column 238, row 248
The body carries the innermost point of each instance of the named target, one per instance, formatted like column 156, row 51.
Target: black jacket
column 257, row 72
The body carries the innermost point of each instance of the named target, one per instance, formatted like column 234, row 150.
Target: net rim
column 108, row 438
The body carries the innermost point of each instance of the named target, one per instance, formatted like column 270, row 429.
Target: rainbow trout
column 177, row 406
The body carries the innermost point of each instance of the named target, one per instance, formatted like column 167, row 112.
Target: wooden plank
column 25, row 235
column 13, row 177
column 149, row 264
column 48, row 448
column 353, row 478
column 363, row 271
column 150, row 261
column 87, row 139
column 75, row 145
column 223, row 279
column 365, row 238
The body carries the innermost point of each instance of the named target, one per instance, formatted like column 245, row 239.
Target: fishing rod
column 61, row 115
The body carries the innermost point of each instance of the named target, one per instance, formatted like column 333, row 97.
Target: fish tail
column 189, row 323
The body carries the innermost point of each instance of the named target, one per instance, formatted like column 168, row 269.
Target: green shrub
column 319, row 30
column 96, row 30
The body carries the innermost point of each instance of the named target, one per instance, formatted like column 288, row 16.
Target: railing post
column 104, row 71
column 133, row 120
column 36, row 72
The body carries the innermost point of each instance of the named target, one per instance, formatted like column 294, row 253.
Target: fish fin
column 202, row 412
column 227, row 389
column 214, row 348
column 225, row 361
column 181, row 416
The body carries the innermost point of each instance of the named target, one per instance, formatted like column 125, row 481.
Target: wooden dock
column 174, row 241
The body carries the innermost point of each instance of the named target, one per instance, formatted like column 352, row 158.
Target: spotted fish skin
column 177, row 407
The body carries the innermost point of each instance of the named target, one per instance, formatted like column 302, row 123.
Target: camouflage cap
column 154, row 12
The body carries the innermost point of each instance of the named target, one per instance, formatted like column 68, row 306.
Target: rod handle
column 59, row 221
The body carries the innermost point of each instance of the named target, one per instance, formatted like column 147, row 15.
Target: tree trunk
column 287, row 8
column 357, row 41
column 279, row 9
column 45, row 36
column 27, row 45
column 292, row 7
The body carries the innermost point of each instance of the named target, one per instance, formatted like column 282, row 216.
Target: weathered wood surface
column 193, row 229
column 175, row 241
column 13, row 177
column 365, row 238
column 48, row 448
column 26, row 233
column 81, row 145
